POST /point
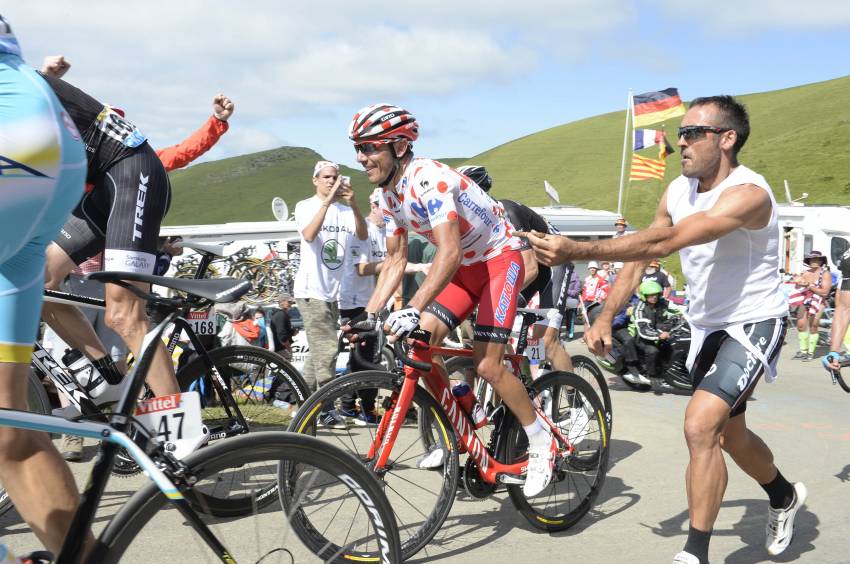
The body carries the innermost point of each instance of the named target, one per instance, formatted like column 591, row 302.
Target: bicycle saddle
column 211, row 248
column 220, row 290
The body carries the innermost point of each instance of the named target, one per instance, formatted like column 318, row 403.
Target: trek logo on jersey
column 11, row 168
column 140, row 206
column 507, row 292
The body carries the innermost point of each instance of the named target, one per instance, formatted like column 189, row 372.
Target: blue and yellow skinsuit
column 42, row 172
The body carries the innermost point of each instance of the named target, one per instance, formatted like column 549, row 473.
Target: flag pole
column 625, row 147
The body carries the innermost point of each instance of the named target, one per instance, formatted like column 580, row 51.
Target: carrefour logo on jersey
column 433, row 207
column 477, row 210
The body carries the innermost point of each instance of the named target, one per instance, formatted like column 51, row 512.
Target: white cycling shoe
column 780, row 522
column 685, row 558
column 541, row 459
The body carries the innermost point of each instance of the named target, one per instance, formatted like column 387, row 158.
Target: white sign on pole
column 280, row 209
column 551, row 192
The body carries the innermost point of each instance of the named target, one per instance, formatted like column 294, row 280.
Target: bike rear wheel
column 341, row 497
column 570, row 403
column 254, row 377
column 421, row 498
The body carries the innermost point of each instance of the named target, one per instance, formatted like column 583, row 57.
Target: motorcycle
column 671, row 359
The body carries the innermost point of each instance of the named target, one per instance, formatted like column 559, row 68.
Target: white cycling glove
column 404, row 321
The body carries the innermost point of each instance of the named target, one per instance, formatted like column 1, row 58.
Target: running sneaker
column 72, row 448
column 799, row 355
column 631, row 378
column 432, row 459
column 780, row 522
column 685, row 558
column 366, row 418
column 808, row 357
column 332, row 420
column 349, row 413
column 541, row 459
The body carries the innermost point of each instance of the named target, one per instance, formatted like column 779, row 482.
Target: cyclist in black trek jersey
column 550, row 282
column 127, row 196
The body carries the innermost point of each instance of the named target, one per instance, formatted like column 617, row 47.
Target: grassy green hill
column 800, row 134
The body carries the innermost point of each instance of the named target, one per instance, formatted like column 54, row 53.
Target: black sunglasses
column 694, row 132
column 370, row 147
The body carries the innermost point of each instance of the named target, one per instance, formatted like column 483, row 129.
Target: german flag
column 646, row 169
column 653, row 107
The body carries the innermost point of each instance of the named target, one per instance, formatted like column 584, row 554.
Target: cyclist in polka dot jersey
column 431, row 193
column 478, row 263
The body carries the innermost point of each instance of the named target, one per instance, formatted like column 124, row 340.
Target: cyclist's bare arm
column 372, row 268
column 746, row 206
column 443, row 267
column 392, row 272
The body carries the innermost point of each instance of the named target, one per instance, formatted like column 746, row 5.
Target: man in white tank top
column 721, row 217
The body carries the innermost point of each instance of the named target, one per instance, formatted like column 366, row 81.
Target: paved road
column 641, row 515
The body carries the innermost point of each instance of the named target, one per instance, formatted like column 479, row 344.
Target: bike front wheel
column 584, row 367
column 341, row 497
column 420, row 485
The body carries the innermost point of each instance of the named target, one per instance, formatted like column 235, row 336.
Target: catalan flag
column 645, row 169
column 653, row 107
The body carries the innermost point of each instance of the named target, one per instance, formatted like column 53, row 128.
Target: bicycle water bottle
column 467, row 401
column 84, row 372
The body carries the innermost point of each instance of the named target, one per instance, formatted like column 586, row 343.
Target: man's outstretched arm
column 740, row 206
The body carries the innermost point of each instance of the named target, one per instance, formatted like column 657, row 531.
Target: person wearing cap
column 328, row 223
column 620, row 225
column 811, row 289
column 595, row 288
column 653, row 271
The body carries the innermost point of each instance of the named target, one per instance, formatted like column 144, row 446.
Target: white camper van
column 806, row 228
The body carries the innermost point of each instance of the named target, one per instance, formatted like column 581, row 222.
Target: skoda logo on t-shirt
column 331, row 254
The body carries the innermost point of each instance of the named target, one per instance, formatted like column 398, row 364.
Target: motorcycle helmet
column 648, row 288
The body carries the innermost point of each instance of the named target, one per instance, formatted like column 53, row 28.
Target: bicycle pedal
column 510, row 479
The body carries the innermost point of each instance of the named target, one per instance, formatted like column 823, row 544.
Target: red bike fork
column 388, row 431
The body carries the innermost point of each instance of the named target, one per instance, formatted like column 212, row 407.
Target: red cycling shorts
column 493, row 286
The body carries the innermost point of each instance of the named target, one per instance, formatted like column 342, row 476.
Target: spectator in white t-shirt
column 327, row 223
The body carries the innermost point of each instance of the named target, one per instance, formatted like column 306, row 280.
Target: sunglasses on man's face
column 694, row 132
column 369, row 148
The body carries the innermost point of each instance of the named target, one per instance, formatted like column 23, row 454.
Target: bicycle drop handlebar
column 419, row 335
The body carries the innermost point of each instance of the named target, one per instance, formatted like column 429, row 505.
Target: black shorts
column 554, row 295
column 727, row 370
column 121, row 215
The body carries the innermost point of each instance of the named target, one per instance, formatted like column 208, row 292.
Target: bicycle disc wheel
column 339, row 494
column 267, row 391
column 569, row 402
column 584, row 367
column 420, row 497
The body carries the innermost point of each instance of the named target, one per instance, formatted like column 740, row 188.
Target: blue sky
column 476, row 74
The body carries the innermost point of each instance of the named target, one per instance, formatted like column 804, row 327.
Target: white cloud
column 757, row 16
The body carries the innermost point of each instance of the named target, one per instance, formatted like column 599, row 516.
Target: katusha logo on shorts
column 332, row 254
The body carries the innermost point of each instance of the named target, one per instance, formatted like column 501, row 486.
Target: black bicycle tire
column 269, row 445
column 303, row 422
column 841, row 382
column 561, row 522
column 234, row 507
column 587, row 362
